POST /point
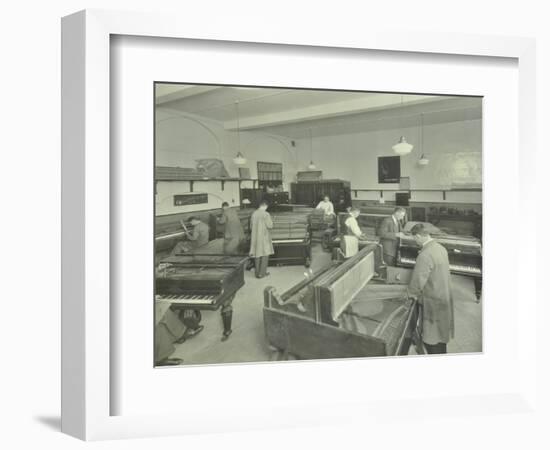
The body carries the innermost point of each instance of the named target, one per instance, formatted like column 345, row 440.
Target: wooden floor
column 248, row 344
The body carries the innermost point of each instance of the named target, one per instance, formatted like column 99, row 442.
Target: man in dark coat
column 197, row 238
column 389, row 231
column 431, row 284
column 233, row 233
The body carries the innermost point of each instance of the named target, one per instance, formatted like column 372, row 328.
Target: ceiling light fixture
column 311, row 165
column 402, row 147
column 239, row 159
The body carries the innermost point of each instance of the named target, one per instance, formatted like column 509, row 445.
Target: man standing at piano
column 260, row 240
column 352, row 234
column 233, row 232
column 431, row 283
column 326, row 205
column 389, row 232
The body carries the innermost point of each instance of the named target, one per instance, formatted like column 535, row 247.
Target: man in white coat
column 326, row 205
column 260, row 240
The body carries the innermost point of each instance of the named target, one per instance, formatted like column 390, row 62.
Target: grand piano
column 342, row 311
column 199, row 281
column 193, row 282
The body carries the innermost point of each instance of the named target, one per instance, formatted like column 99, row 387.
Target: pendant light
column 402, row 147
column 423, row 161
column 239, row 159
column 311, row 165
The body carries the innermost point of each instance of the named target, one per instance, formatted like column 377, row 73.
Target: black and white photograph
column 302, row 224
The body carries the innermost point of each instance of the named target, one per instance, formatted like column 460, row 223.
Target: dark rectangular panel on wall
column 389, row 169
column 190, row 199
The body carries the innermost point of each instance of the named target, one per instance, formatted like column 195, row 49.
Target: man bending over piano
column 233, row 235
column 389, row 231
column 198, row 237
column 431, row 283
column 260, row 240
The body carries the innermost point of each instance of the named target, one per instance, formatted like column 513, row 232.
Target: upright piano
column 465, row 254
column 291, row 239
column 332, row 236
column 340, row 312
column 465, row 257
column 168, row 234
column 199, row 281
column 319, row 221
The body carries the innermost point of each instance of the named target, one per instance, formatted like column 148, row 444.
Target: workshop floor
column 247, row 342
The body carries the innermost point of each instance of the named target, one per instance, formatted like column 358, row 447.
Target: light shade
column 239, row 159
column 423, row 161
column 402, row 147
column 311, row 166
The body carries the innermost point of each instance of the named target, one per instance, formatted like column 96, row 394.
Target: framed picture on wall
column 389, row 169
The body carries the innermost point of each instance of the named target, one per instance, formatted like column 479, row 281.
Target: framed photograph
column 389, row 169
column 132, row 333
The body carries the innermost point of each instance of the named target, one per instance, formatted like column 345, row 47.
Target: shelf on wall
column 443, row 191
column 221, row 180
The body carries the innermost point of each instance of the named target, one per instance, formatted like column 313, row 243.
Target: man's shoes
column 195, row 331
column 189, row 334
column 226, row 335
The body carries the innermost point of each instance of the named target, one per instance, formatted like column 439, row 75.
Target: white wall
column 182, row 139
column 167, row 189
column 354, row 157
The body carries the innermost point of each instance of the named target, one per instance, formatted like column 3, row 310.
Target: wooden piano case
column 291, row 238
column 341, row 312
column 216, row 275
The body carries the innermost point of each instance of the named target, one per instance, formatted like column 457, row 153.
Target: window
column 270, row 174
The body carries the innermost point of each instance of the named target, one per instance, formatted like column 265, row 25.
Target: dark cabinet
column 255, row 196
column 312, row 192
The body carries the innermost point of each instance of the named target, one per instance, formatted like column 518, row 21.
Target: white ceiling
column 296, row 112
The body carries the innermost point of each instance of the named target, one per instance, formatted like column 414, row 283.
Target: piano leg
column 227, row 317
column 477, row 284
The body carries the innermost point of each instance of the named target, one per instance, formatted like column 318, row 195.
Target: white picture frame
column 87, row 382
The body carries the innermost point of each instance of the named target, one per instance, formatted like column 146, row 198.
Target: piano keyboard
column 188, row 299
column 452, row 267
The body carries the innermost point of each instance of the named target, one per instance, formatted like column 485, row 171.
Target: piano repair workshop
column 312, row 224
